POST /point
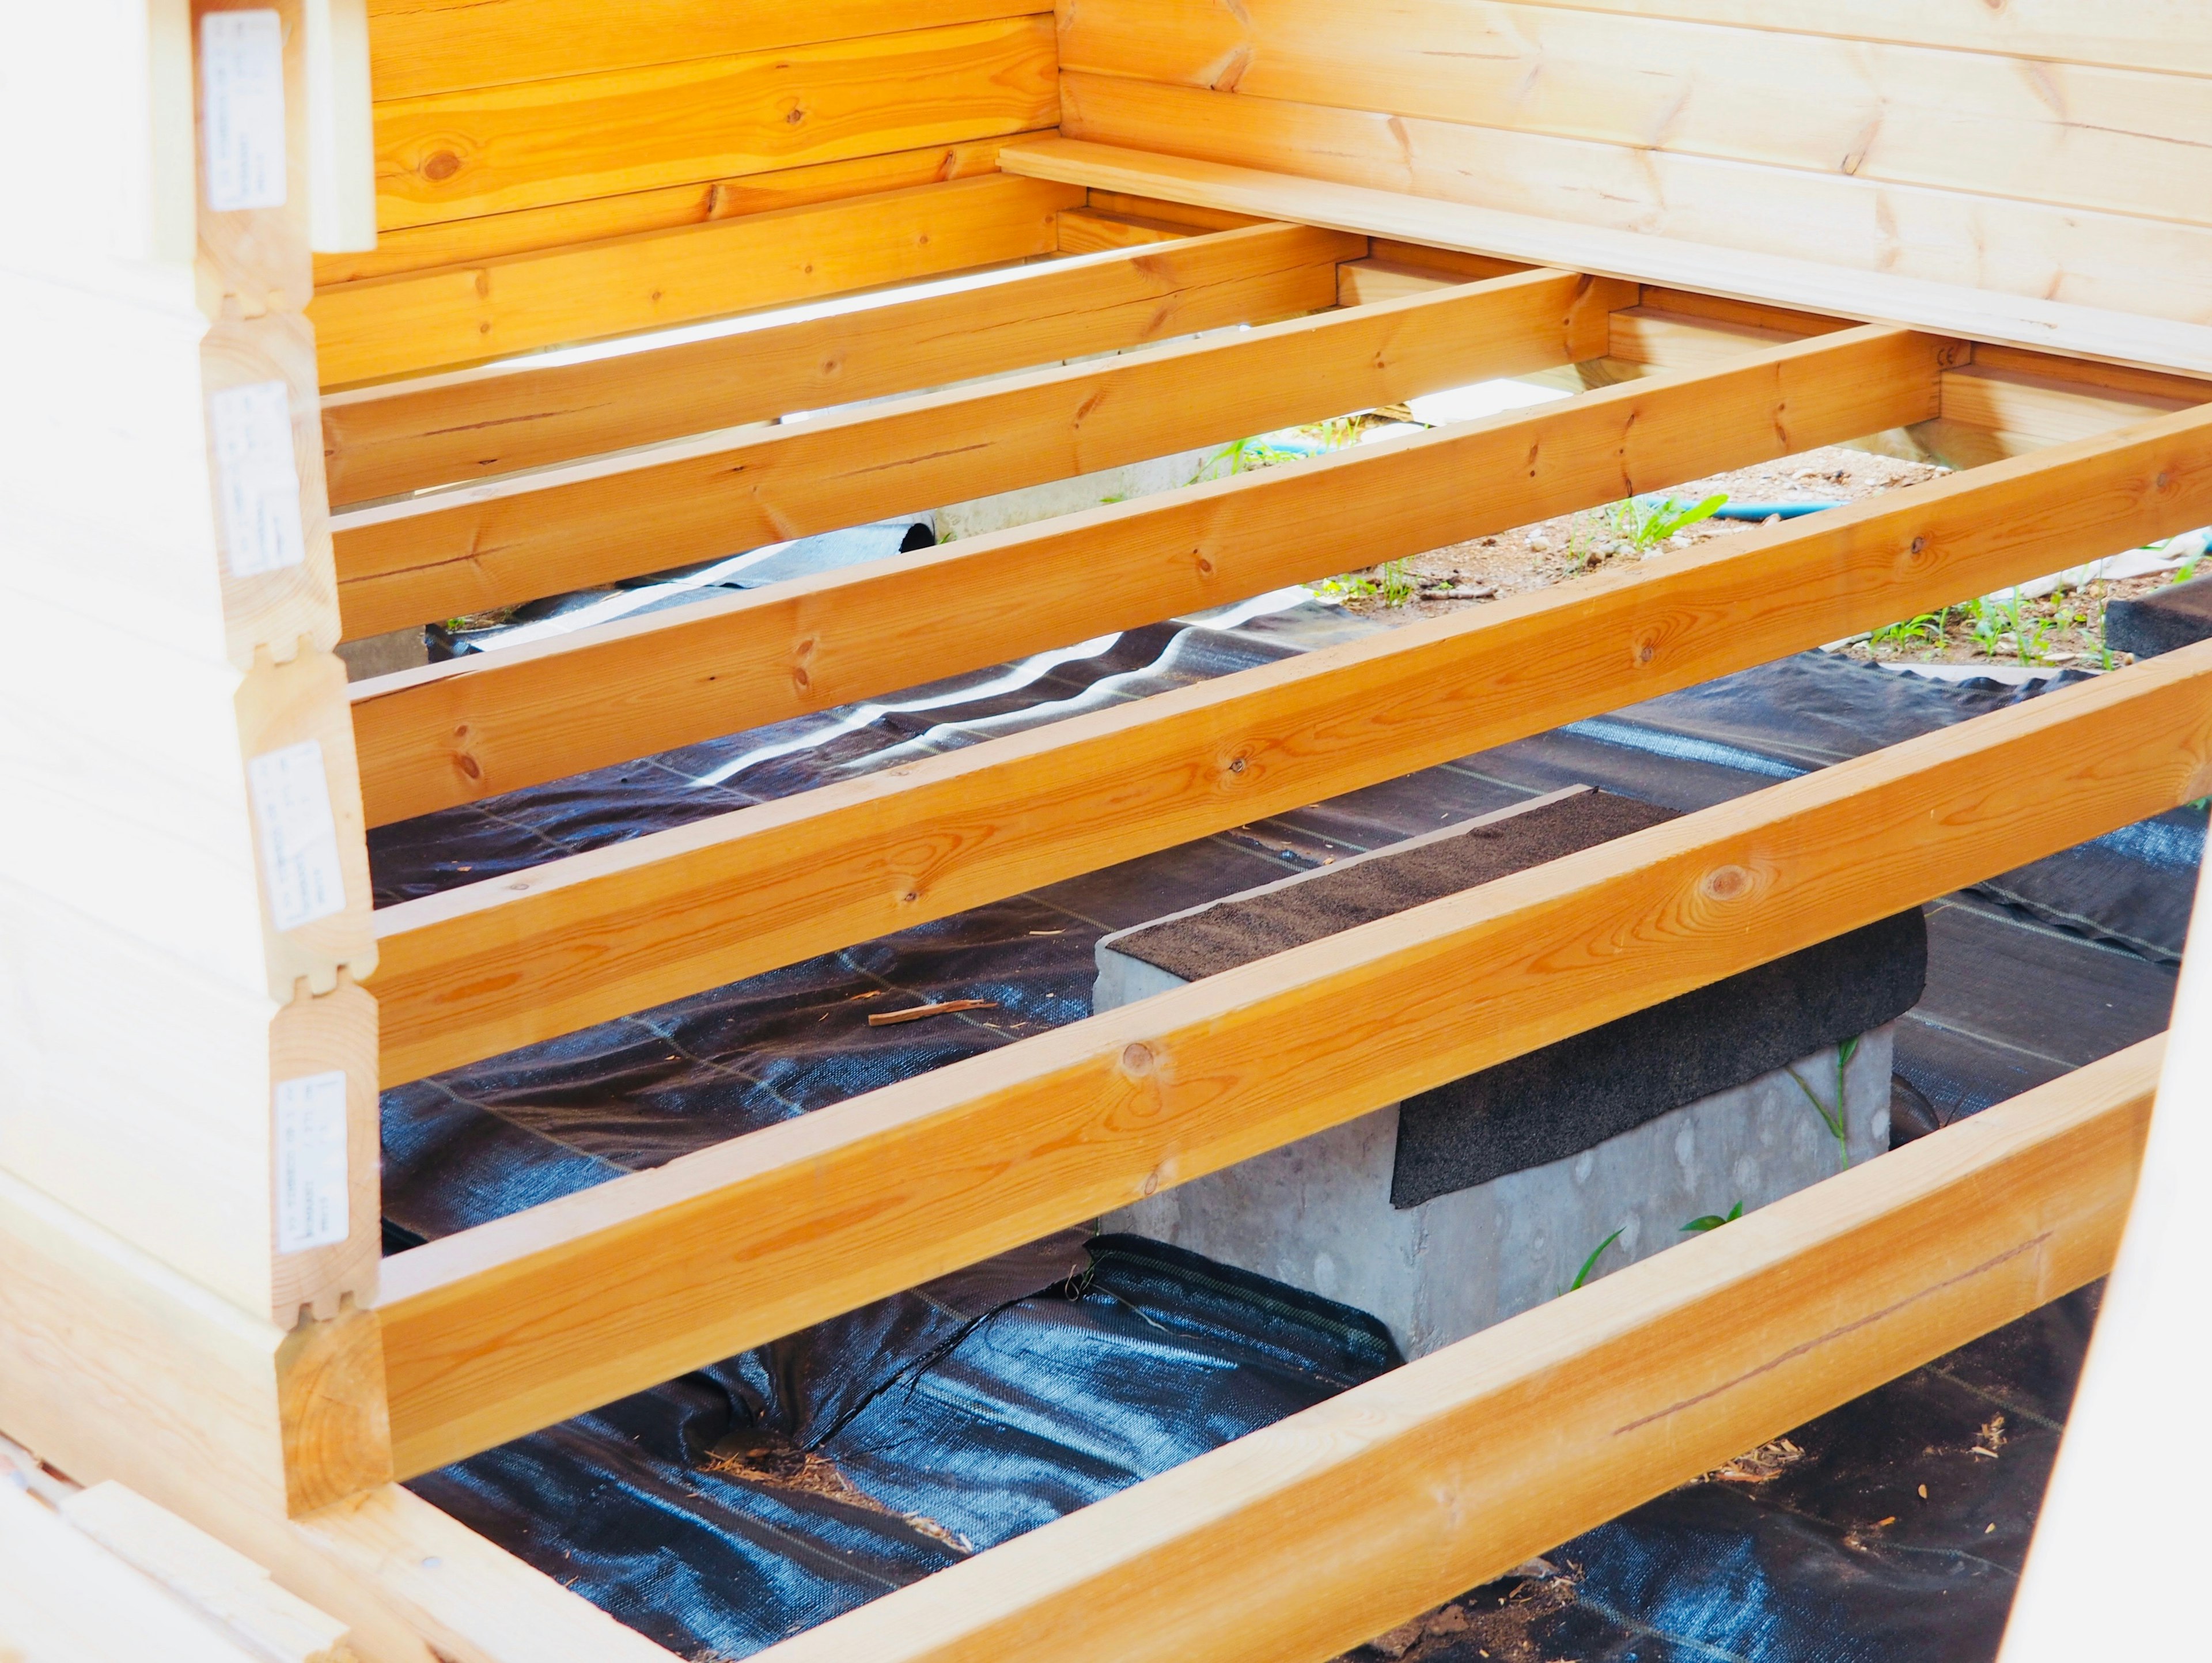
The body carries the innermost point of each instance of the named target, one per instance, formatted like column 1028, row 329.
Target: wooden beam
column 482, row 726
column 466, row 314
column 1087, row 230
column 521, row 1322
column 388, row 440
column 2089, row 331
column 1294, row 1543
column 479, row 970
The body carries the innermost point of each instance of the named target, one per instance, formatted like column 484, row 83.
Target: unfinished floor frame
column 1140, row 229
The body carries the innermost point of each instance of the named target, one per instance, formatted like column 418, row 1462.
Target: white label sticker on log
column 257, row 477
column 242, row 108
column 298, row 837
column 310, row 1162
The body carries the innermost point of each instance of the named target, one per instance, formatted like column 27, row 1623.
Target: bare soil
column 2063, row 630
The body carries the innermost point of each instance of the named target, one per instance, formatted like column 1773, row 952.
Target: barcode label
column 257, row 477
column 298, row 837
column 310, row 1162
column 242, row 108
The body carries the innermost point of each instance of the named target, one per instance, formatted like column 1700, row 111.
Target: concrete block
column 1476, row 1201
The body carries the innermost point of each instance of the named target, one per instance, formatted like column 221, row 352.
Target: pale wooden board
column 2074, row 326
column 622, row 928
column 65, row 1600
column 521, row 1322
column 1294, row 1543
column 2012, row 248
column 453, row 155
column 443, row 45
column 547, row 532
column 236, row 1594
column 2119, row 141
column 459, row 315
column 2147, row 35
column 403, row 437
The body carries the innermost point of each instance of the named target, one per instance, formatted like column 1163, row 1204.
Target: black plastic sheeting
column 744, row 1503
column 721, row 1511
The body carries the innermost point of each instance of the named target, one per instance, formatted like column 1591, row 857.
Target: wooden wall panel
column 462, row 314
column 531, row 230
column 2117, row 262
column 423, row 46
column 2144, row 34
column 459, row 155
column 2090, row 136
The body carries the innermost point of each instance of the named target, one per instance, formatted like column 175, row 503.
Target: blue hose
column 1769, row 510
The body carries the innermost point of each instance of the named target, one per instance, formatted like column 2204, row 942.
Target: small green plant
column 1929, row 627
column 1713, row 1221
column 1833, row 1120
column 1397, row 587
column 1590, row 1263
column 1988, row 621
column 1642, row 524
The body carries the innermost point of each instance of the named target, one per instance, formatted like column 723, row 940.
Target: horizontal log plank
column 2117, row 140
column 1796, row 278
column 1293, row 1544
column 482, row 726
column 529, row 230
column 488, row 150
column 479, row 970
column 389, row 440
column 2015, row 253
column 422, row 47
column 523, row 1322
column 466, row 314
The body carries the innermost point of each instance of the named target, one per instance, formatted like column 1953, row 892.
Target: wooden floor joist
column 409, row 435
column 701, row 499
column 491, row 722
column 1294, row 1543
column 521, row 1322
column 482, row 969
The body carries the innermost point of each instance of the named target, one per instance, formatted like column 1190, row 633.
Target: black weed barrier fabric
column 727, row 1510
column 722, row 1511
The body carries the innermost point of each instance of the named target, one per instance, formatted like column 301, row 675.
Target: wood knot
column 1137, row 1059
column 1920, row 545
column 1236, row 765
column 440, row 165
column 799, row 679
column 1646, row 650
column 1726, row 883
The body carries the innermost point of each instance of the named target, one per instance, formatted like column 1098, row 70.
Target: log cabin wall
column 2054, row 148
column 555, row 170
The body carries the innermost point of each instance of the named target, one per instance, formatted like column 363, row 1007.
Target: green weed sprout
column 1590, row 1263
column 1713, row 1221
column 1645, row 523
column 1834, row 1122
column 1929, row 627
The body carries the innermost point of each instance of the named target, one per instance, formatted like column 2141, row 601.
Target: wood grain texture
column 421, row 46
column 529, row 230
column 383, row 442
column 2153, row 34
column 2030, row 250
column 478, row 970
column 65, row 1600
column 526, row 1321
column 230, row 1589
column 1292, row 1543
column 700, row 499
column 2118, row 140
column 459, row 315
column 330, row 1406
column 453, row 155
column 1085, row 231
column 1814, row 274
column 454, row 732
